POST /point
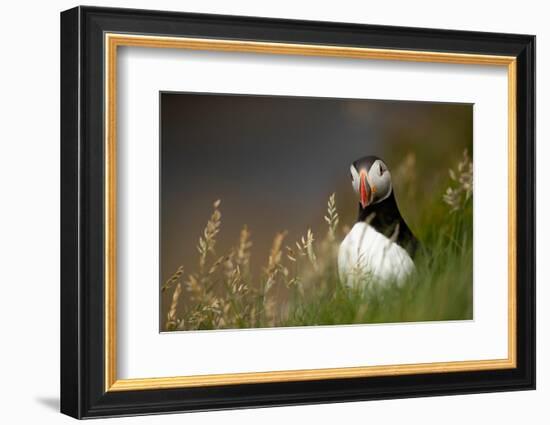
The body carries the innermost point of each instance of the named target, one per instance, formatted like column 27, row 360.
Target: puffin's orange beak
column 364, row 189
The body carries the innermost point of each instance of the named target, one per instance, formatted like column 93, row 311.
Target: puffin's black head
column 371, row 180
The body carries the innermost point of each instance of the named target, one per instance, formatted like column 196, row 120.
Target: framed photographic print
column 261, row 212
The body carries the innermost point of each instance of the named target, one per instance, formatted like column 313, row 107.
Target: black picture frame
column 83, row 392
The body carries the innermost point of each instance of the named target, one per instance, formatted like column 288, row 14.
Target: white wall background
column 29, row 217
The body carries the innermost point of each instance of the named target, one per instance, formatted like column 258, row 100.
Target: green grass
column 441, row 288
column 299, row 285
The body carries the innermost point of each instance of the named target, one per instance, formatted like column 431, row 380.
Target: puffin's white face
column 372, row 185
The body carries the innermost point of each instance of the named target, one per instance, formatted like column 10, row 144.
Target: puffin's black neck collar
column 385, row 218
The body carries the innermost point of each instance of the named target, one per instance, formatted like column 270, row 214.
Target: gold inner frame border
column 113, row 40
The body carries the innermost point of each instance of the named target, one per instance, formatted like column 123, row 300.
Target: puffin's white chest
column 366, row 255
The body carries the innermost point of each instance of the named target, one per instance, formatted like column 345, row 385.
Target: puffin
column 380, row 247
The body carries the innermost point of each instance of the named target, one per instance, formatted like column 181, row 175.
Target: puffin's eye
column 381, row 168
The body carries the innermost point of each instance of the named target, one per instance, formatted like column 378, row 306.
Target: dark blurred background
column 273, row 162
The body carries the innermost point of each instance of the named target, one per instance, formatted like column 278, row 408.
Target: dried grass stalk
column 243, row 251
column 207, row 241
column 461, row 188
column 175, row 278
column 305, row 248
column 274, row 260
column 332, row 218
column 171, row 319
